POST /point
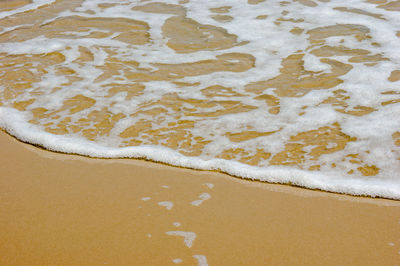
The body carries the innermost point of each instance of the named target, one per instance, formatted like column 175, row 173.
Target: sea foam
column 304, row 93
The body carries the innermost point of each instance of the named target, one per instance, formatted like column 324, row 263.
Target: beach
column 186, row 132
column 71, row 210
column 308, row 96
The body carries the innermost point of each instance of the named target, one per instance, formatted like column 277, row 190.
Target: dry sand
column 71, row 210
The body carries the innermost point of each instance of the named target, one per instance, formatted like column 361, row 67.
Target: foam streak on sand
column 203, row 197
column 167, row 204
column 31, row 6
column 188, row 237
column 201, row 260
column 309, row 96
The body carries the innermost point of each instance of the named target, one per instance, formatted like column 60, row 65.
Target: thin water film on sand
column 303, row 92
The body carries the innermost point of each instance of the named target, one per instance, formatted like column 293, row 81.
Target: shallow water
column 302, row 92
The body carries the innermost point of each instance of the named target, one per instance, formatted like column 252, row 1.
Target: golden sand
column 58, row 209
column 65, row 209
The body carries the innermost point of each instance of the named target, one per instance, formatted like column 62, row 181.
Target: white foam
column 15, row 123
column 203, row 197
column 201, row 260
column 34, row 5
column 313, row 63
column 209, row 185
column 167, row 204
column 188, row 237
column 177, row 260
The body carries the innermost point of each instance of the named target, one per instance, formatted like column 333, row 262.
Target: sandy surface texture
column 65, row 209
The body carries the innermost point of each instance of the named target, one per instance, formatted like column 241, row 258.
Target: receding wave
column 303, row 92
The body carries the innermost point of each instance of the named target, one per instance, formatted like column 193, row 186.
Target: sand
column 66, row 209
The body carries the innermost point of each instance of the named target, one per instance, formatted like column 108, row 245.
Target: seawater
column 303, row 92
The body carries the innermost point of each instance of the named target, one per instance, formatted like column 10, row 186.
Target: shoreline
column 38, row 148
column 313, row 180
column 70, row 209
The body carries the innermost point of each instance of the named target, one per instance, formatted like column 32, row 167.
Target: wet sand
column 65, row 209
